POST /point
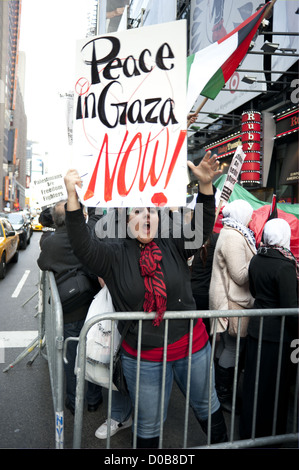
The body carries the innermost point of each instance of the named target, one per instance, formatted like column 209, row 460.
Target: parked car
column 9, row 245
column 21, row 224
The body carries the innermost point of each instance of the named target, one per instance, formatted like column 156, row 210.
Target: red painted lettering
column 108, row 180
column 151, row 173
column 121, row 182
column 176, row 152
column 158, row 199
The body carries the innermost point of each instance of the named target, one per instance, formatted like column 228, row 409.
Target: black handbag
column 119, row 379
column 75, row 289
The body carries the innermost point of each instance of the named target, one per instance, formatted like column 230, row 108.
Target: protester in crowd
column 57, row 256
column 47, row 222
column 147, row 272
column 273, row 282
column 229, row 289
column 201, row 274
column 112, row 227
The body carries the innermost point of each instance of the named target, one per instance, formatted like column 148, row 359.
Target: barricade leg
column 59, row 408
column 53, row 325
column 79, row 403
column 23, row 354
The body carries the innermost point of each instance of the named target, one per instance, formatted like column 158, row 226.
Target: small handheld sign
column 232, row 177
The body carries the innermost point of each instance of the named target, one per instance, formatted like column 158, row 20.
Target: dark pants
column 266, row 389
column 94, row 392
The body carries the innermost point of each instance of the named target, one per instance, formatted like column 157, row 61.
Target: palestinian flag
column 273, row 208
column 273, row 214
column 210, row 68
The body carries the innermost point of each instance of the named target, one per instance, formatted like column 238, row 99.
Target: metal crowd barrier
column 49, row 344
column 140, row 316
column 52, row 329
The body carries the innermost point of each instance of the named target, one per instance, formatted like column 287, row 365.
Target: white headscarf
column 277, row 232
column 237, row 214
column 239, row 210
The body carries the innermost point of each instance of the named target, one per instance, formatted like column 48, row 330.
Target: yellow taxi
column 9, row 245
column 36, row 225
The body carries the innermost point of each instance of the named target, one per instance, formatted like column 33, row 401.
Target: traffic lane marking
column 17, row 339
column 21, row 283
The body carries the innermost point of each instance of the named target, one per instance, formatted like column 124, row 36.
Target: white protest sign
column 49, row 189
column 231, row 177
column 130, row 138
column 232, row 174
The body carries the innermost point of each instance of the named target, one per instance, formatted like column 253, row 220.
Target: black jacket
column 118, row 264
column 202, row 268
column 57, row 255
column 273, row 284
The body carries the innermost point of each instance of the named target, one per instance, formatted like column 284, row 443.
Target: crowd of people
column 145, row 270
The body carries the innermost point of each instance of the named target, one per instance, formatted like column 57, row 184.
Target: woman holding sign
column 148, row 272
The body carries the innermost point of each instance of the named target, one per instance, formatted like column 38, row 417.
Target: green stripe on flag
column 214, row 85
column 190, row 60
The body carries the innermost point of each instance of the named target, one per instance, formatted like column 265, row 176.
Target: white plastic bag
column 98, row 340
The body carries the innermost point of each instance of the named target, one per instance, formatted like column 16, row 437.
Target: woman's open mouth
column 147, row 227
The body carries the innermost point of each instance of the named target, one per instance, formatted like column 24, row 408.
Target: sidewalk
column 173, row 428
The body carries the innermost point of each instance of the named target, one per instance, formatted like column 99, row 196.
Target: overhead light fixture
column 249, row 80
column 270, row 47
column 288, row 49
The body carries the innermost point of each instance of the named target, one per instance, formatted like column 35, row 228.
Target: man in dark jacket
column 57, row 256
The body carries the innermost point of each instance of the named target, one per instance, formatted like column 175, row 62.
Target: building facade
column 13, row 121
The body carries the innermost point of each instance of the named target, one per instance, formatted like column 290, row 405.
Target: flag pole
column 268, row 9
column 218, row 210
column 198, row 109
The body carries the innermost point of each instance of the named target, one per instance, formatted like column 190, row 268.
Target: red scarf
column 155, row 289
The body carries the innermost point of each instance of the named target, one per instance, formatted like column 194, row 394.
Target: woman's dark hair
column 46, row 218
column 203, row 251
